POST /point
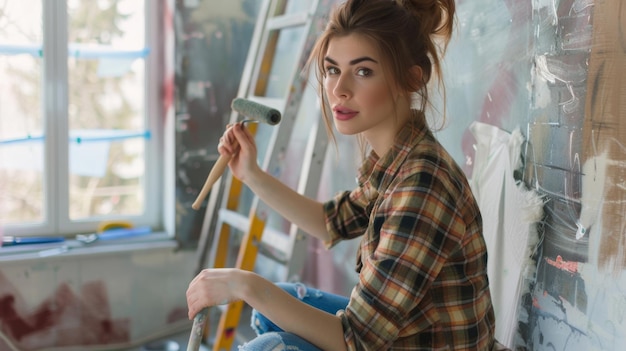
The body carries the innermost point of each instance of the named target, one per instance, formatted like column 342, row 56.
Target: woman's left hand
column 212, row 287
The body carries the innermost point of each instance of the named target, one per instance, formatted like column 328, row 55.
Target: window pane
column 21, row 120
column 106, row 114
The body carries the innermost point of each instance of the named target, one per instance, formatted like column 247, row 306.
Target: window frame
column 56, row 218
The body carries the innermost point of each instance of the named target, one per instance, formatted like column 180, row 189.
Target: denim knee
column 265, row 342
column 260, row 324
column 278, row 341
column 324, row 301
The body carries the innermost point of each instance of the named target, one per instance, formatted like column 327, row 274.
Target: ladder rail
column 311, row 170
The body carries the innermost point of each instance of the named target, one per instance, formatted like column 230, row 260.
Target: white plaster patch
column 593, row 187
column 540, row 91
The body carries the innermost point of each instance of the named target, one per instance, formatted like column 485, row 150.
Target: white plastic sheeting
column 510, row 213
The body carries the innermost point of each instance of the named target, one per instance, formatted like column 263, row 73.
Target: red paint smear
column 64, row 319
column 229, row 333
column 177, row 314
column 168, row 94
column 536, row 303
column 168, row 83
column 18, row 327
column 168, row 18
column 571, row 267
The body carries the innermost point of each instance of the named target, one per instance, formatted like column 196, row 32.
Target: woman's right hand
column 305, row 212
column 238, row 143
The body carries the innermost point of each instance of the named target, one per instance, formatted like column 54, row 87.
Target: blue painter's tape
column 112, row 136
column 79, row 51
column 12, row 241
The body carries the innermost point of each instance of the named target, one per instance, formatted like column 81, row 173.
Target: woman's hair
column 405, row 33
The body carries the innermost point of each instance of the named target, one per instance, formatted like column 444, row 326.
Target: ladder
column 293, row 151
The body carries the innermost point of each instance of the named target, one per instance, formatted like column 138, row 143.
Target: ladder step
column 234, row 219
column 270, row 252
column 274, row 243
column 289, row 20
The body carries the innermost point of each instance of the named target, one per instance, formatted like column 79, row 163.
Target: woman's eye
column 332, row 70
column 364, row 72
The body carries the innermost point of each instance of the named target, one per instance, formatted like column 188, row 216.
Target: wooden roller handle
column 216, row 172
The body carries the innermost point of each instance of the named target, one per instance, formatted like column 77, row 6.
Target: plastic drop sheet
column 510, row 213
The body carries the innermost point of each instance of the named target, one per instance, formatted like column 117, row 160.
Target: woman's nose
column 342, row 87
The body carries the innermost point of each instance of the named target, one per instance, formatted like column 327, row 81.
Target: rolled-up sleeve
column 346, row 216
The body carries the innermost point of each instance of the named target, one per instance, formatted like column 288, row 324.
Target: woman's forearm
column 304, row 212
column 292, row 315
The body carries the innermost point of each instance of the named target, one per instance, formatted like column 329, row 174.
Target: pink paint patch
column 571, row 267
column 168, row 93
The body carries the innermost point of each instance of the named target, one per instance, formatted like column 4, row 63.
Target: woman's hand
column 238, row 143
column 213, row 287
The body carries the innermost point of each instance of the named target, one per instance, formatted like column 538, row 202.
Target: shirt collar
column 377, row 172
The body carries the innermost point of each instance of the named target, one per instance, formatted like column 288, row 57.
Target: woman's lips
column 344, row 114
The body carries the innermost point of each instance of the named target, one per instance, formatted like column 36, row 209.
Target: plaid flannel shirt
column 422, row 260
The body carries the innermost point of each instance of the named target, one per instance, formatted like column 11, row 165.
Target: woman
column 422, row 261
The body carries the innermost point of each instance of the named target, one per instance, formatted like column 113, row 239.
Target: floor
column 179, row 341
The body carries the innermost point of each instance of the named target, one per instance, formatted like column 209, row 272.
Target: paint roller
column 253, row 112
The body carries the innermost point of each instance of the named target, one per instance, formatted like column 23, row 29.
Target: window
column 79, row 114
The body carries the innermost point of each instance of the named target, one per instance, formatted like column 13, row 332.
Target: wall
column 87, row 297
column 555, row 69
column 212, row 39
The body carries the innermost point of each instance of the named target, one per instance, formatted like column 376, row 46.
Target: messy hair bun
column 435, row 16
column 435, row 19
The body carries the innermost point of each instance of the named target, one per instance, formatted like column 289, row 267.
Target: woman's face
column 363, row 99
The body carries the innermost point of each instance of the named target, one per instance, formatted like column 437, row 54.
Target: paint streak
column 571, row 267
column 168, row 88
column 622, row 27
column 176, row 314
column 64, row 319
column 536, row 303
column 229, row 333
column 603, row 130
column 17, row 326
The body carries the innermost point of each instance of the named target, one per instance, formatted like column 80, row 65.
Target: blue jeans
column 272, row 338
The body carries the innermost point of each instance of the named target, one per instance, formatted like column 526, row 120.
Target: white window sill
column 70, row 248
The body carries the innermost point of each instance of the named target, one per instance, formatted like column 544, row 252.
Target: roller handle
column 254, row 112
column 197, row 330
column 216, row 172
